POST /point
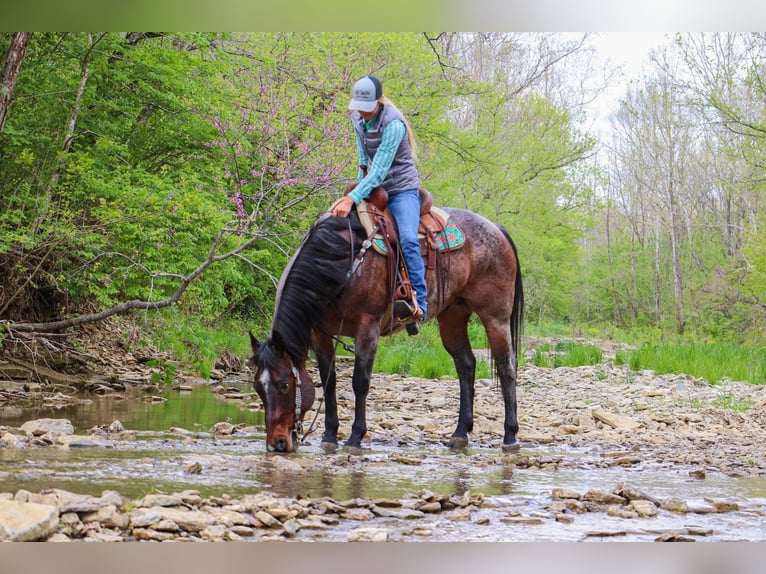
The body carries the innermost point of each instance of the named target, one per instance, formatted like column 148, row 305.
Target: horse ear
column 277, row 342
column 253, row 342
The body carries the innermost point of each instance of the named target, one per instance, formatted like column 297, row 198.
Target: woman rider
column 386, row 157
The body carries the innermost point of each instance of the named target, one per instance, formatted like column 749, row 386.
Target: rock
column 291, row 527
column 723, row 505
column 616, row 421
column 701, row 507
column 42, row 427
column 360, row 514
column 644, row 508
column 368, row 535
column 621, row 512
column 189, row 520
column 632, row 493
column 160, row 500
column 284, row 464
column 674, row 505
column 564, row 493
column 11, row 441
column 267, row 519
column 144, row 517
column 430, row 507
column 602, row 497
column 26, row 521
column 116, row 427
column 699, row 474
column 107, row 516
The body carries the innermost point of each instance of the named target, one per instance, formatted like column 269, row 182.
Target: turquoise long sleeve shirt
column 391, row 137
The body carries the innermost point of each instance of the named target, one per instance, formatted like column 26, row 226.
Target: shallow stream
column 172, row 450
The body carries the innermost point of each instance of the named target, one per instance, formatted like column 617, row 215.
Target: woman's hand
column 343, row 207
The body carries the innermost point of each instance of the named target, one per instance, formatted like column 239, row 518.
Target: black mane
column 317, row 276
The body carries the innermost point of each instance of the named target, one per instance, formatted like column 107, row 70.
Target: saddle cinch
column 437, row 232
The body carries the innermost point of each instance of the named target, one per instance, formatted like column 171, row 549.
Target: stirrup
column 406, row 313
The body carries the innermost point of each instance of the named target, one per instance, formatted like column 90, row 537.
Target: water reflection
column 195, row 410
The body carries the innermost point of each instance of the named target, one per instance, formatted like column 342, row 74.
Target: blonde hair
column 410, row 134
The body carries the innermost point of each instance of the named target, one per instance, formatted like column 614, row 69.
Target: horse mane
column 317, row 276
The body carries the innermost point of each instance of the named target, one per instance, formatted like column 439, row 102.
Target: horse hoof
column 354, row 450
column 513, row 447
column 329, row 447
column 458, row 443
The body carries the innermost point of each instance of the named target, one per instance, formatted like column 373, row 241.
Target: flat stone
column 40, row 427
column 368, row 535
column 602, row 497
column 616, row 421
column 26, row 521
column 564, row 493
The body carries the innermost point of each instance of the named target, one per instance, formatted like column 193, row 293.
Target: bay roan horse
column 328, row 289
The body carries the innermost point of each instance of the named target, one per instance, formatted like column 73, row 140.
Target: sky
column 630, row 52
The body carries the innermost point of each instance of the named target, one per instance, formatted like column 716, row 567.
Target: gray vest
column 403, row 174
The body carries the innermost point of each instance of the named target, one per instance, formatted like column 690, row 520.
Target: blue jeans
column 405, row 207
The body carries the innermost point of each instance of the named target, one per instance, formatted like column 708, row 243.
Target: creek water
column 159, row 458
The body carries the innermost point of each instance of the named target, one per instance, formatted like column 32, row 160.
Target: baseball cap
column 366, row 93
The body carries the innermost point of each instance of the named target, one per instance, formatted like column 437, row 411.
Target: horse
column 334, row 286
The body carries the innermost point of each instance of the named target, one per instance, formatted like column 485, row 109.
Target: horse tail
column 517, row 312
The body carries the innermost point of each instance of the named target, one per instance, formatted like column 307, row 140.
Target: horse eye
column 284, row 386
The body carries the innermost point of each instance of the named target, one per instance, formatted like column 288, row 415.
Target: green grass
column 424, row 355
column 195, row 344
column 566, row 354
column 711, row 362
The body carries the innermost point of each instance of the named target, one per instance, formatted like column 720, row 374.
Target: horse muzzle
column 284, row 443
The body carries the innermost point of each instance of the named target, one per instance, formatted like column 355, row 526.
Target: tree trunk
column 14, row 58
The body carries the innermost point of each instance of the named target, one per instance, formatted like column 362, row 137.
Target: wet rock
column 564, row 493
column 430, row 507
column 360, row 514
column 368, row 535
column 674, row 505
column 523, row 520
column 723, row 505
column 621, row 512
column 630, row 492
column 40, row 427
column 267, row 519
column 644, row 508
column 9, row 440
column 116, row 427
column 697, row 507
column 671, row 537
column 699, row 474
column 602, row 497
column 26, row 521
column 285, row 464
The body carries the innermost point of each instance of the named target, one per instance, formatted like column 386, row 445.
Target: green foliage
column 194, row 343
column 711, row 362
column 126, row 156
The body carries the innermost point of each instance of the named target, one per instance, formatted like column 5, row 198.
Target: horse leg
column 453, row 328
column 365, row 349
column 325, row 355
column 498, row 333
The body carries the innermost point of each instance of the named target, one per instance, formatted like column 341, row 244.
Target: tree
column 9, row 73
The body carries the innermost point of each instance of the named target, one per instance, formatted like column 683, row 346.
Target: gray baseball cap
column 366, row 93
